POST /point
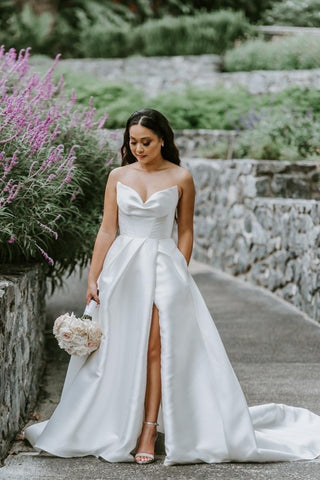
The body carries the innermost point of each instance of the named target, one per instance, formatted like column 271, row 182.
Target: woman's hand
column 92, row 292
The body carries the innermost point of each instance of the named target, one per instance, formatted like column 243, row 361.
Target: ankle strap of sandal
column 152, row 423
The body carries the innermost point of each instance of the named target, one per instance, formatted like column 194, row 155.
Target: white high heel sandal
column 143, row 454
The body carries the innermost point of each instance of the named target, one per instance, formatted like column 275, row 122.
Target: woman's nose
column 139, row 148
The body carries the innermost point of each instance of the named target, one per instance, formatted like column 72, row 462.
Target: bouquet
column 78, row 336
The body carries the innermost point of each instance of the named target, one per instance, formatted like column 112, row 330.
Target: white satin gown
column 203, row 411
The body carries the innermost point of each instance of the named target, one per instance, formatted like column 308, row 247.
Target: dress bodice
column 153, row 218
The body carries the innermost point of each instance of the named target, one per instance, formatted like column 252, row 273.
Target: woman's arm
column 106, row 235
column 185, row 216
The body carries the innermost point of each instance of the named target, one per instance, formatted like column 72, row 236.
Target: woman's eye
column 144, row 144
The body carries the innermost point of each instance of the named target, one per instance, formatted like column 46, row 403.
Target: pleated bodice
column 153, row 218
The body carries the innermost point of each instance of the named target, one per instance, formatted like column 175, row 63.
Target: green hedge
column 191, row 35
column 289, row 53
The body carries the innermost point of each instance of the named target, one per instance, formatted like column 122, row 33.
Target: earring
column 162, row 144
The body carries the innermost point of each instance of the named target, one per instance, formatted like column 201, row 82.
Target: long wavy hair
column 155, row 121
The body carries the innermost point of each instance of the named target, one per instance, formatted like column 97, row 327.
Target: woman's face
column 145, row 145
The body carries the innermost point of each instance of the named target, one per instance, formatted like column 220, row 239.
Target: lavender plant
column 53, row 169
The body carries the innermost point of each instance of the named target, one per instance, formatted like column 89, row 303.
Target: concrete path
column 274, row 349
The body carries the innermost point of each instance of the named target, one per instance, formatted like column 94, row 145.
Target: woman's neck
column 153, row 166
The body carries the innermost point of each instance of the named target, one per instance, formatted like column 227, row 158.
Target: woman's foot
column 146, row 443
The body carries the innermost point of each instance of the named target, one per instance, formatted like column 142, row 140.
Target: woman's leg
column 153, row 388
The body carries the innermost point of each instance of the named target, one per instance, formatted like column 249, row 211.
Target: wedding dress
column 203, row 411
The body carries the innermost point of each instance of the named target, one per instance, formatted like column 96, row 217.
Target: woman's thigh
column 154, row 336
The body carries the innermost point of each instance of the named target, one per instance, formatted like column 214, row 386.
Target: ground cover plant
column 53, row 169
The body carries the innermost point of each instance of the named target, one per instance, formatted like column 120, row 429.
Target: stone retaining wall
column 167, row 73
column 271, row 242
column 285, row 30
column 22, row 326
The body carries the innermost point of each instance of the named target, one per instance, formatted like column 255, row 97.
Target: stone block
column 263, row 187
column 259, row 235
column 249, row 187
column 275, row 280
column 290, row 291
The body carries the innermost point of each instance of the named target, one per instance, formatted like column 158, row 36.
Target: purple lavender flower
column 39, row 174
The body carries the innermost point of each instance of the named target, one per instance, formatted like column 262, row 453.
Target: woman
column 161, row 361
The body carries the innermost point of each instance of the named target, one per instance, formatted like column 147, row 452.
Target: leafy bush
column 274, row 135
column 217, row 108
column 294, row 12
column 289, row 53
column 61, row 30
column 53, row 170
column 103, row 40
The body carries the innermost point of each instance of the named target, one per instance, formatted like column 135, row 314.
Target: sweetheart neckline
column 154, row 193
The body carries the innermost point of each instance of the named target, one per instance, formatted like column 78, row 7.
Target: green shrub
column 289, row 53
column 102, row 40
column 217, row 108
column 191, row 35
column 294, row 12
column 184, row 35
column 275, row 135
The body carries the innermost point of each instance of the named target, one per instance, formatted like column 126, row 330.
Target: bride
column 161, row 362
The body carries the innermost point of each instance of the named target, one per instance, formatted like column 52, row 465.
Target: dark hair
column 155, row 121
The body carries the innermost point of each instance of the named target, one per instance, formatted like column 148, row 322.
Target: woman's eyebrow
column 142, row 138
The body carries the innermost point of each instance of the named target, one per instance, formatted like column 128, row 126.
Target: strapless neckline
column 152, row 195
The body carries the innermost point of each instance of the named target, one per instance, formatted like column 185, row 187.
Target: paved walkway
column 274, row 349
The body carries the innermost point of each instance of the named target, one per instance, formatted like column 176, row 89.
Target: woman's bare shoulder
column 117, row 173
column 182, row 175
